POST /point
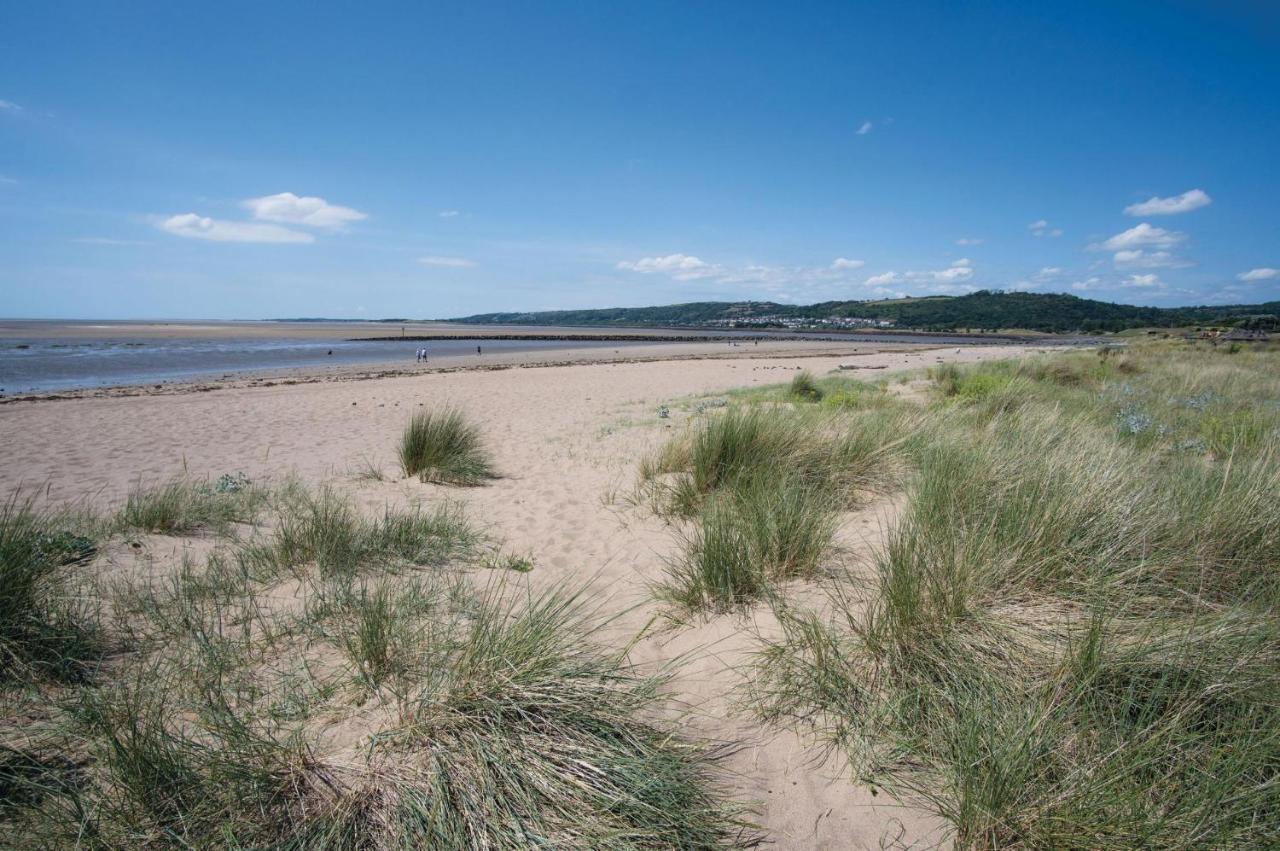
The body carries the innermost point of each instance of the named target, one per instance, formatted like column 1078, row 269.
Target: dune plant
column 44, row 632
column 443, row 446
column 324, row 529
column 507, row 724
column 805, row 387
column 1071, row 640
column 749, row 539
column 183, row 505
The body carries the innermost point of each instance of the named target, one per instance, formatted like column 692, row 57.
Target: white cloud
column 943, row 280
column 306, row 210
column 9, row 106
column 1148, row 280
column 448, row 214
column 682, row 267
column 1141, row 236
column 6, row 179
column 968, row 240
column 1041, row 227
column 1137, row 258
column 865, row 128
column 805, row 283
column 1264, row 273
column 194, row 226
column 447, row 262
column 1193, row 199
column 1045, row 275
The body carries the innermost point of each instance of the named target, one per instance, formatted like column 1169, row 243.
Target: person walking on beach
column 477, row 350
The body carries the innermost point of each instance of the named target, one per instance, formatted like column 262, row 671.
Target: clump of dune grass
column 1072, row 640
column 804, row 387
column 443, row 446
column 45, row 631
column 748, row 540
column 182, row 505
column 326, row 530
column 762, row 488
column 484, row 719
column 849, row 456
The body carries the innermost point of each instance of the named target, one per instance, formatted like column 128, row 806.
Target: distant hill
column 987, row 310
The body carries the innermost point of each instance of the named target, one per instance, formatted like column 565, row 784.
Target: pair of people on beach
column 422, row 355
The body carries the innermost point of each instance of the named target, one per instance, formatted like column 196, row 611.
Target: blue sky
column 247, row 160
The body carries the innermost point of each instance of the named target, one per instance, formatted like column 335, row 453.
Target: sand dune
column 567, row 441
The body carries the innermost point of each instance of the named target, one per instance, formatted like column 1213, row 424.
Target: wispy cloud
column 865, row 128
column 682, row 267
column 969, row 240
column 1150, row 279
column 104, row 240
column 446, row 262
column 9, row 106
column 6, row 179
column 778, row 282
column 194, row 226
column 1040, row 279
column 1263, row 273
column 1138, row 258
column 1192, row 199
column 1141, row 236
column 1041, row 227
column 948, row 280
column 305, row 210
column 449, row 214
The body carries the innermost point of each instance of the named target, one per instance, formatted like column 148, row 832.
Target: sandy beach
column 566, row 441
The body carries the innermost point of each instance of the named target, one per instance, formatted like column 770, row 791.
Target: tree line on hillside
column 988, row 310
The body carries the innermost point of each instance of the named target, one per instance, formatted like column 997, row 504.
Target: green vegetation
column 1071, row 637
column 763, row 484
column 805, row 388
column 333, row 681
column 984, row 310
column 443, row 446
column 747, row 540
column 181, row 506
column 44, row 631
column 324, row 530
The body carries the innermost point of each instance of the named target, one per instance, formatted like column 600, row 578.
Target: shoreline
column 492, row 363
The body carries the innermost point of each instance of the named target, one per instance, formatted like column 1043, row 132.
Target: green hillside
column 986, row 309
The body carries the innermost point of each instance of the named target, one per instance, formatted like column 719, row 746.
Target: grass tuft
column 182, row 506
column 45, row 632
column 443, row 446
column 805, row 387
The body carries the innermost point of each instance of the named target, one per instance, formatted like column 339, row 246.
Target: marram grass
column 442, row 445
column 1072, row 639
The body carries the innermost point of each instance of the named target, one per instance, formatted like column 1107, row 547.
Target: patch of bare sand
column 565, row 440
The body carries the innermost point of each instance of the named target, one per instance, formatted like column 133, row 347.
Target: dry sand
column 566, row 440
